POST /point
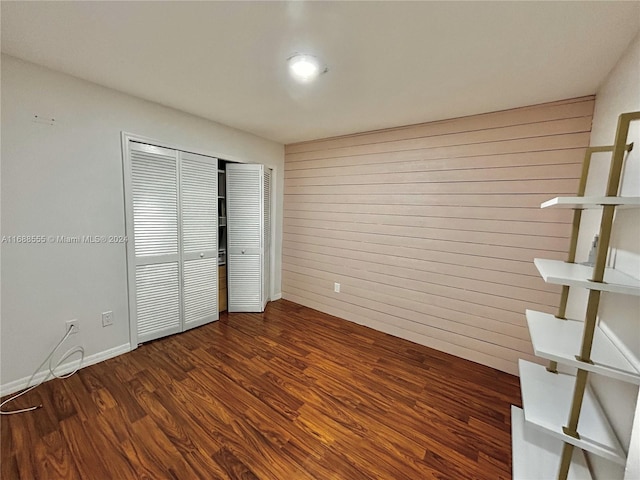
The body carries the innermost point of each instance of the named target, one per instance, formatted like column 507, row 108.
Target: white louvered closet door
column 266, row 236
column 199, row 213
column 244, row 237
column 154, row 194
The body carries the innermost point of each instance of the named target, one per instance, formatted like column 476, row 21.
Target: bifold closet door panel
column 244, row 237
column 199, row 214
column 156, row 241
column 266, row 237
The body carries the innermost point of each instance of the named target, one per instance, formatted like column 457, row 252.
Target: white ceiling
column 390, row 63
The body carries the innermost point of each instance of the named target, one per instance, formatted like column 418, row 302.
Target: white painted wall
column 620, row 92
column 66, row 179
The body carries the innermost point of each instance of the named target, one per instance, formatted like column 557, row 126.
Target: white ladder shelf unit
column 560, row 412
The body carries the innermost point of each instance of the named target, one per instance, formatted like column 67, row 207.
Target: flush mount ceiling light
column 305, row 68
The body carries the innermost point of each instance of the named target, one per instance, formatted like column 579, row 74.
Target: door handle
column 202, row 255
column 243, row 251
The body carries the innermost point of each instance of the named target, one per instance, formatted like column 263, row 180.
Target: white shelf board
column 560, row 341
column 537, row 455
column 591, row 202
column 576, row 275
column 546, row 399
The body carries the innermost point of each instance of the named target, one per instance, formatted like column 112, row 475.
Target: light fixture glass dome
column 305, row 68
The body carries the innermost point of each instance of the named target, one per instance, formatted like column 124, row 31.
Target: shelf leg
column 565, row 462
column 575, row 228
column 576, row 405
column 606, row 223
column 589, row 329
column 571, row 428
column 588, row 333
column 562, row 309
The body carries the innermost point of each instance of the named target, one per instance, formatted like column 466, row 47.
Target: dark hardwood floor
column 288, row 394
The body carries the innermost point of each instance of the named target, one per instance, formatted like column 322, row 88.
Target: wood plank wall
column 431, row 229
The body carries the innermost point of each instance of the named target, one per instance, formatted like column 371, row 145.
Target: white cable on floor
column 51, row 373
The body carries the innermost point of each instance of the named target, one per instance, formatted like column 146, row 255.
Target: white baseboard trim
column 21, row 383
column 275, row 297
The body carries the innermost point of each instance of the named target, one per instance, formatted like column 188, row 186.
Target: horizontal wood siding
column 431, row 229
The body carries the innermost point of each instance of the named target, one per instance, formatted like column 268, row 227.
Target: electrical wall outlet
column 336, row 287
column 107, row 318
column 73, row 324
